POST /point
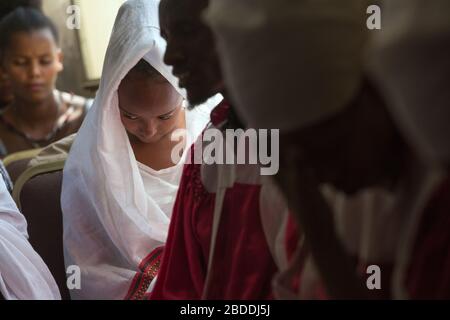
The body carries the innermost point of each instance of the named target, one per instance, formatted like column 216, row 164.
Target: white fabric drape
column 116, row 211
column 409, row 58
column 23, row 274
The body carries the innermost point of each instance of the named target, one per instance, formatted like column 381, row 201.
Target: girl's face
column 32, row 63
column 150, row 109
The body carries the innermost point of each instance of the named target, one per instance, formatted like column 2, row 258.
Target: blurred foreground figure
column 23, row 274
column 410, row 62
column 336, row 130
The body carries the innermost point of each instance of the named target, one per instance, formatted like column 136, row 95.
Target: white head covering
column 23, row 274
column 116, row 211
column 289, row 64
column 410, row 58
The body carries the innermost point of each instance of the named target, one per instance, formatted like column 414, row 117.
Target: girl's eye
column 46, row 62
column 130, row 117
column 20, row 62
column 166, row 117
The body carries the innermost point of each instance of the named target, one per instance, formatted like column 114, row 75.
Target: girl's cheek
column 130, row 126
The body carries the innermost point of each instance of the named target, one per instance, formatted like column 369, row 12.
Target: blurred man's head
column 298, row 67
column 191, row 48
column 409, row 61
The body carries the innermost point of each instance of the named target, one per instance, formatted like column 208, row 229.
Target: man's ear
column 60, row 60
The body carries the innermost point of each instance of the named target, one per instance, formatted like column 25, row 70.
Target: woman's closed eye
column 129, row 116
column 46, row 61
column 167, row 116
column 20, row 62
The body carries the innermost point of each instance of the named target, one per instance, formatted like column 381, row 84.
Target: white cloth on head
column 289, row 64
column 410, row 58
column 116, row 212
column 23, row 274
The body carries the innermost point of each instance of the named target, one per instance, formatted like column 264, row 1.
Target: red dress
column 428, row 276
column 243, row 266
column 428, row 269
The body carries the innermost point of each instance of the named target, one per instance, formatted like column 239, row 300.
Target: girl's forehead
column 36, row 40
column 148, row 98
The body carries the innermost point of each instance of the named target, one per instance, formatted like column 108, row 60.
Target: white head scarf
column 23, row 274
column 289, row 64
column 410, row 58
column 110, row 222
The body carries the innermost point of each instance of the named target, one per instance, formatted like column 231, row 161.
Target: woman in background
column 31, row 59
column 6, row 7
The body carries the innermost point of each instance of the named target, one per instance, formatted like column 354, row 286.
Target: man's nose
column 172, row 55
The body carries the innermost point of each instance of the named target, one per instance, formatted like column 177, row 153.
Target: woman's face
column 32, row 63
column 150, row 109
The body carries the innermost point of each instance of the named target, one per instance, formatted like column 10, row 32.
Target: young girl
column 6, row 95
column 31, row 60
column 122, row 174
